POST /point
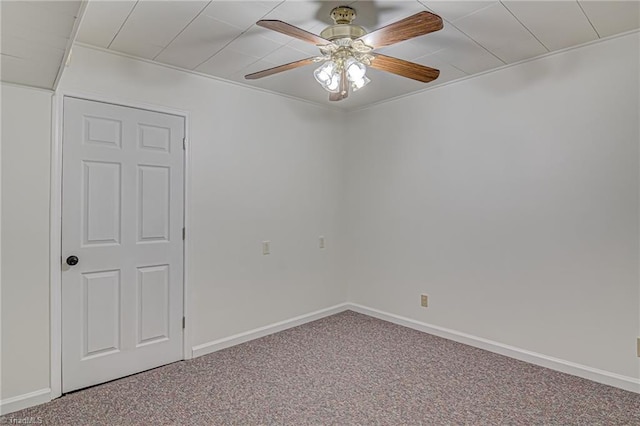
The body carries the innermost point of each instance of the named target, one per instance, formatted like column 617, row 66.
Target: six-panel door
column 122, row 216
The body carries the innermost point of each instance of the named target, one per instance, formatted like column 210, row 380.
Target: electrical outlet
column 638, row 347
column 266, row 247
column 424, row 300
column 321, row 242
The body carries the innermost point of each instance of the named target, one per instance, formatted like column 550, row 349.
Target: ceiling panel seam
column 525, row 27
column 123, row 24
column 475, row 41
column 72, row 38
column 182, row 30
column 461, row 70
column 464, row 16
column 465, row 34
column 588, row 19
column 240, row 35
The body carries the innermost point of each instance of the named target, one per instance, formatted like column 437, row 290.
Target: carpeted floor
column 347, row 369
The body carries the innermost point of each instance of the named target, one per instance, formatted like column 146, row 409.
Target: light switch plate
column 266, row 247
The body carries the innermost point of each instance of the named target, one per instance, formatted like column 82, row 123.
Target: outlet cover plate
column 424, row 300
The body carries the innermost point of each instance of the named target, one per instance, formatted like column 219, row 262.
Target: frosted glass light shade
column 334, row 85
column 330, row 73
column 355, row 70
column 360, row 83
column 324, row 72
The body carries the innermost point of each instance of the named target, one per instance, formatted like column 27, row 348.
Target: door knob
column 72, row 260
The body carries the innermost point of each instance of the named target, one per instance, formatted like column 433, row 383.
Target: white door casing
column 122, row 216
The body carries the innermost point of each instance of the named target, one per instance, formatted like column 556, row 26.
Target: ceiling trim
column 72, row 39
column 348, row 110
column 468, row 77
column 209, row 76
column 24, row 86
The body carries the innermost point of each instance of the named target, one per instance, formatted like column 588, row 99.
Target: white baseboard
column 41, row 396
column 26, row 400
column 216, row 345
column 597, row 375
column 564, row 366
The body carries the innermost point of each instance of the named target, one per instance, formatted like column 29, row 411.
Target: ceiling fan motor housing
column 343, row 16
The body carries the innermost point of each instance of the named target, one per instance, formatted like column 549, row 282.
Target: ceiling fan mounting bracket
column 343, row 14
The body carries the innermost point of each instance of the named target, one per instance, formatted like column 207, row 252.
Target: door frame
column 55, row 237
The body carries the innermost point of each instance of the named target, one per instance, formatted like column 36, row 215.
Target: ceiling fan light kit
column 347, row 50
column 329, row 75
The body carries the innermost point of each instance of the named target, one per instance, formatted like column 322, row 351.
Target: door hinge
column 184, row 143
column 184, row 233
column 184, row 322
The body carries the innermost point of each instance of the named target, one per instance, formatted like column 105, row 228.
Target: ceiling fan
column 347, row 50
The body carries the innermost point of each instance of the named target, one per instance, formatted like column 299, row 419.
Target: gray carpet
column 347, row 369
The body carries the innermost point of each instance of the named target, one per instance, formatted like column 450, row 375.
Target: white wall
column 262, row 168
column 511, row 199
column 26, row 130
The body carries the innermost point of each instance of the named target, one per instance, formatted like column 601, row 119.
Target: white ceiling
column 220, row 38
column 35, row 36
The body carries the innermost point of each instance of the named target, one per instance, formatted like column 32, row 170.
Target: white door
column 122, row 217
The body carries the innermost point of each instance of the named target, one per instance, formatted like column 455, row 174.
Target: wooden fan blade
column 275, row 70
column 290, row 30
column 404, row 68
column 415, row 25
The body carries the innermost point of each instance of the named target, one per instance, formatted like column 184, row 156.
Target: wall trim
column 24, row 86
column 55, row 249
column 374, row 104
column 209, row 76
column 594, row 374
column 561, row 365
column 631, row 384
column 23, row 401
column 186, row 217
column 492, row 70
column 256, row 333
